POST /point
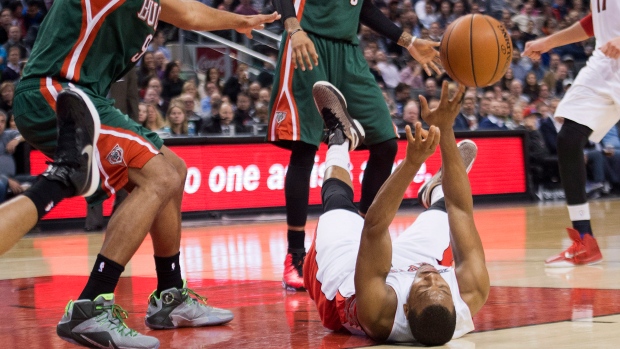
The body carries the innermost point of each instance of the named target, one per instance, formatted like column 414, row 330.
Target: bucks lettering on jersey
column 334, row 19
column 92, row 42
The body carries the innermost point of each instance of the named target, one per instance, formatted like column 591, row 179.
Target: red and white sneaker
column 293, row 279
column 583, row 251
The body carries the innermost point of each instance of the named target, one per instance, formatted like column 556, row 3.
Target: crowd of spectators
column 525, row 98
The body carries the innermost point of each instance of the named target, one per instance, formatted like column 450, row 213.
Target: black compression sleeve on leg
column 297, row 183
column 378, row 169
column 572, row 139
column 45, row 194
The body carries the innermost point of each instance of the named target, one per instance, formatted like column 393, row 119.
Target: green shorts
column 293, row 116
column 122, row 142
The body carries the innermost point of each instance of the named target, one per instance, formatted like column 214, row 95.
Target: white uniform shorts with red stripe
column 122, row 143
column 593, row 99
column 329, row 267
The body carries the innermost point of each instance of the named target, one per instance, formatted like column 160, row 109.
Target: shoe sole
column 189, row 323
column 426, row 189
column 348, row 123
column 94, row 168
column 291, row 288
column 570, row 265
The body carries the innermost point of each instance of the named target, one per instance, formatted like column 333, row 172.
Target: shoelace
column 117, row 323
column 197, row 300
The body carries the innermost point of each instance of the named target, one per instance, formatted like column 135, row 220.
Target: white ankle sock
column 436, row 194
column 338, row 155
column 579, row 212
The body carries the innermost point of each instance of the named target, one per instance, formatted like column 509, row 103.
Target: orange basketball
column 476, row 50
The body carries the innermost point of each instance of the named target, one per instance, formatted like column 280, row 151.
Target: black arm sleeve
column 372, row 17
column 285, row 8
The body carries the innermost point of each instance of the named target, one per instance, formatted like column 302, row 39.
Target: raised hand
column 256, row 22
column 424, row 52
column 445, row 114
column 421, row 145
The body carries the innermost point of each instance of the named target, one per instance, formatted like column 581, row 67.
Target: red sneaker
column 583, row 251
column 293, row 271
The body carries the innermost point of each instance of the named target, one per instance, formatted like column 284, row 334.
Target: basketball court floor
column 237, row 263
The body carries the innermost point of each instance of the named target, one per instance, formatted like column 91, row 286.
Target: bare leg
column 166, row 229
column 155, row 184
column 19, row 215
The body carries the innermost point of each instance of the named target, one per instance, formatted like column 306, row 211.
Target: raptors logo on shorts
column 115, row 157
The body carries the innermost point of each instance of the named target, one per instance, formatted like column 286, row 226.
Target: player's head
column 430, row 307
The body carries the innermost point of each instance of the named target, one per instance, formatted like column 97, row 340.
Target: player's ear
column 406, row 309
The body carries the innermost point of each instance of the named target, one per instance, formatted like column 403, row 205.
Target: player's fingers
column 427, row 69
column 307, row 58
column 313, row 54
column 444, row 93
column 436, row 137
column 430, row 139
column 423, row 105
column 418, row 132
column 459, row 94
column 408, row 133
column 300, row 59
column 435, row 43
column 435, row 68
column 294, row 58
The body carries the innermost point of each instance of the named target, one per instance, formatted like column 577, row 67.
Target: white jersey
column 400, row 281
column 605, row 17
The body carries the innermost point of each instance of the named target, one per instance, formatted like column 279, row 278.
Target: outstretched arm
column 194, row 15
column 375, row 308
column 471, row 271
column 422, row 50
column 579, row 31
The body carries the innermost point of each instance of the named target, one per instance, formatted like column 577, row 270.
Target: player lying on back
column 398, row 291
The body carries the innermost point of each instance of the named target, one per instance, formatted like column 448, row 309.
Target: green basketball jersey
column 92, row 42
column 334, row 19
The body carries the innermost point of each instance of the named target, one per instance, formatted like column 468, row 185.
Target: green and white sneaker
column 99, row 324
column 175, row 308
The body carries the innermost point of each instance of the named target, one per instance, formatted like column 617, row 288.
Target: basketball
column 476, row 50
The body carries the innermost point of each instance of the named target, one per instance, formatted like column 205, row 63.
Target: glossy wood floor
column 237, row 264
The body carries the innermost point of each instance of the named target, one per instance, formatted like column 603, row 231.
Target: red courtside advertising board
column 250, row 176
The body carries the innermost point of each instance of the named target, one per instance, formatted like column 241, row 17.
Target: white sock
column 338, row 155
column 579, row 212
column 436, row 194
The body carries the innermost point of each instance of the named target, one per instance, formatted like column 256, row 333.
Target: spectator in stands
column 519, row 65
column 560, row 78
column 467, row 117
column 426, row 13
column 7, row 90
column 15, row 39
column 411, row 74
column 142, row 113
column 160, row 64
column 410, row 23
column 611, row 150
column 265, row 77
column 525, row 17
column 516, row 91
column 495, row 120
column 542, row 165
column 147, row 69
column 411, row 115
column 506, row 80
column 244, row 113
column 222, row 123
column 176, row 120
column 402, row 94
column 430, row 89
column 9, row 140
column 264, row 95
column 33, row 14
column 6, row 18
column 245, row 8
column 517, row 117
column 154, row 121
column 12, row 72
column 157, row 44
column 237, row 83
column 485, row 108
column 253, row 92
column 214, row 76
column 189, row 87
column 188, row 102
column 445, row 14
column 152, row 97
column 172, row 84
column 205, row 103
column 369, row 56
column 531, row 89
column 387, row 69
column 435, row 32
column 216, row 102
column 537, row 68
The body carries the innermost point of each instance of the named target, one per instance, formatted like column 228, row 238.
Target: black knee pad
column 572, row 139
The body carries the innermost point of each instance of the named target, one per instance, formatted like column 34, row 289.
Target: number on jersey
column 598, row 5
